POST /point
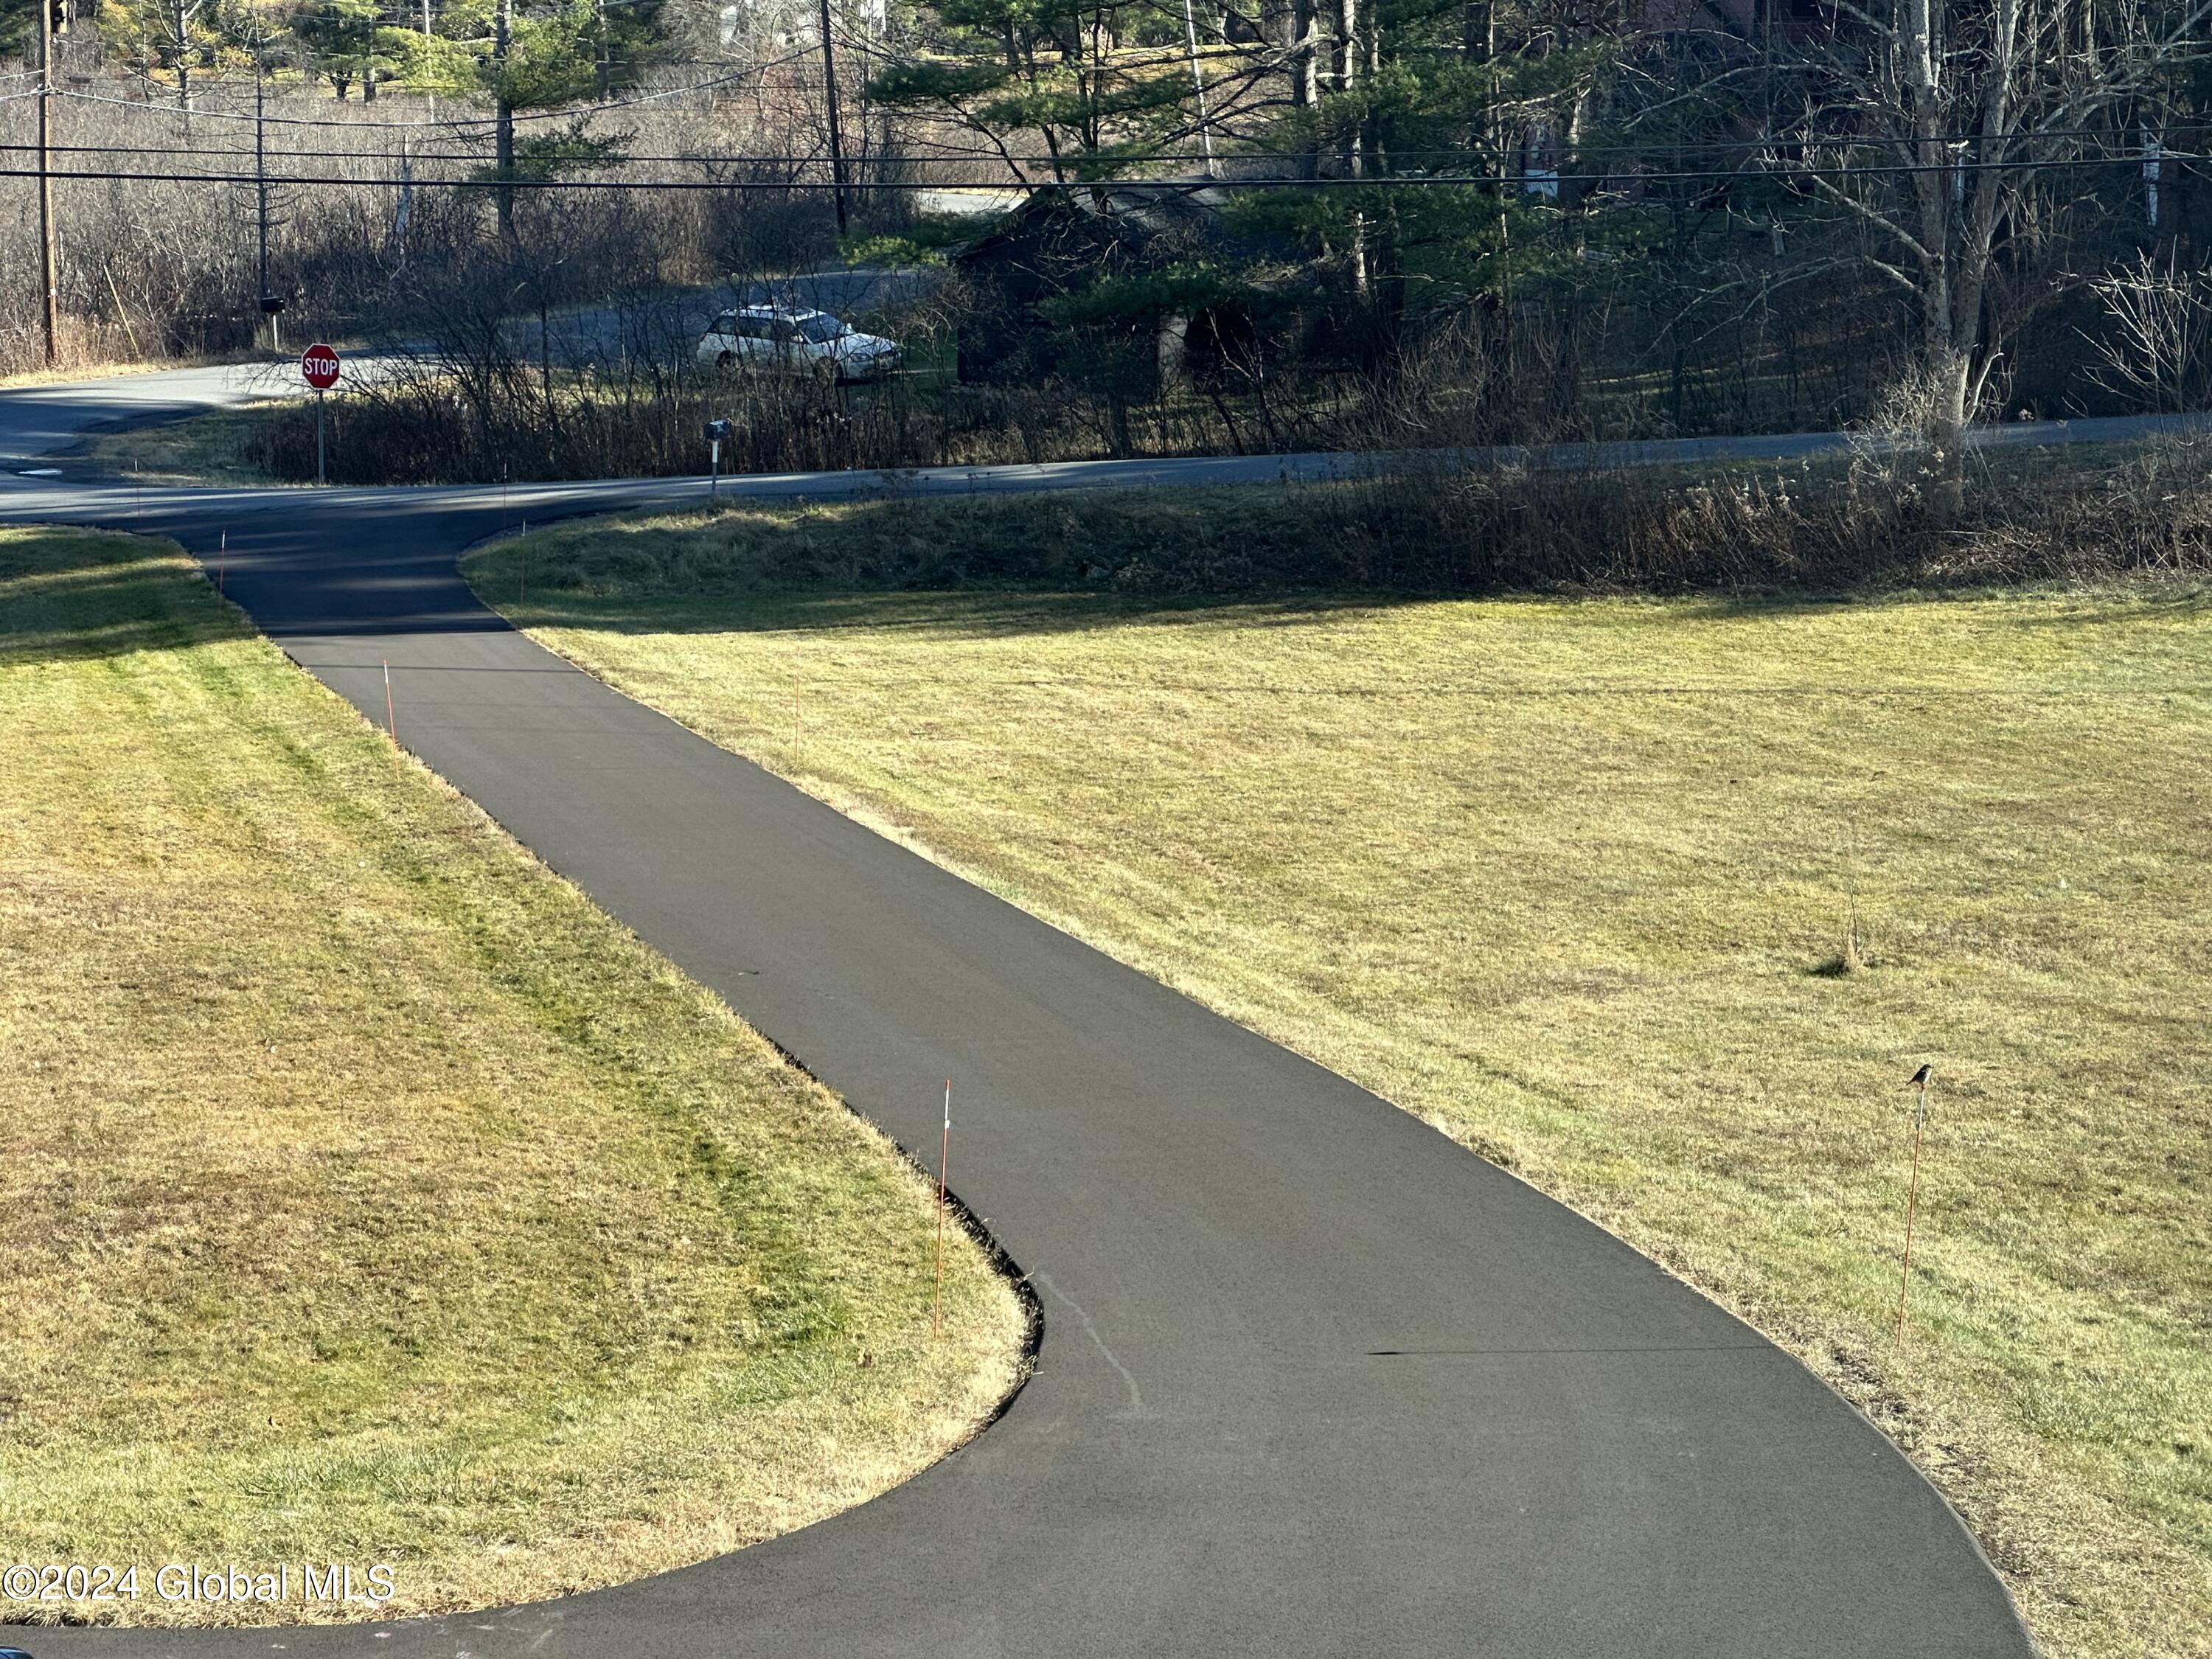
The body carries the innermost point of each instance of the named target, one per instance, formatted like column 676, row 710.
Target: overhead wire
column 941, row 155
column 1388, row 181
column 966, row 157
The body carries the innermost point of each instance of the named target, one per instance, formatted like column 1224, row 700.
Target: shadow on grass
column 74, row 595
column 1267, row 555
column 964, row 612
column 986, row 613
column 1300, row 551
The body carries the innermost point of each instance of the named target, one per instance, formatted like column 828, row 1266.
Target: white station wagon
column 784, row 341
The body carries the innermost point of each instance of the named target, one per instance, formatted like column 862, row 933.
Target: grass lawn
column 208, row 448
column 1573, row 880
column 371, row 1197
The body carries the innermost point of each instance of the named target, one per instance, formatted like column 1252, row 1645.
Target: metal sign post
column 319, row 367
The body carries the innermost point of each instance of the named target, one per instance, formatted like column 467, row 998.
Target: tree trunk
column 181, row 23
column 1344, row 80
column 1942, row 416
column 1305, row 74
column 1948, row 378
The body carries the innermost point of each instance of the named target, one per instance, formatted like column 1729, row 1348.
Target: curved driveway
column 1316, row 1382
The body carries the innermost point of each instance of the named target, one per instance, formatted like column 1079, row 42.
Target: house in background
column 1064, row 240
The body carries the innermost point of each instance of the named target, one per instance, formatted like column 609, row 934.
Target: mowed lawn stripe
column 370, row 1196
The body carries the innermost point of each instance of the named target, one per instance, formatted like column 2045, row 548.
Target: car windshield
column 820, row 330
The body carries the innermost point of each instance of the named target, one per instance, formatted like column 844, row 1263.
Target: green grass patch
column 372, row 1197
column 1571, row 878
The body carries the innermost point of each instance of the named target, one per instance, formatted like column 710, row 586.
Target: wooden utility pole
column 261, row 188
column 46, row 261
column 830, row 103
column 503, row 132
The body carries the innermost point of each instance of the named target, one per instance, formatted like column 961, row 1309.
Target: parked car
column 781, row 340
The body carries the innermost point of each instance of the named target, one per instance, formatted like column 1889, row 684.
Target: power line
column 966, row 157
column 952, row 158
column 1386, row 182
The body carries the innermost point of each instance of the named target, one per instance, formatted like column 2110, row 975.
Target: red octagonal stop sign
column 319, row 365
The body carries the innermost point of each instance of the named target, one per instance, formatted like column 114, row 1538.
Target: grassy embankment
column 211, row 448
column 369, row 1196
column 1574, row 880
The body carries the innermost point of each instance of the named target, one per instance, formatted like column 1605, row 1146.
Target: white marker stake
column 391, row 721
column 221, row 555
column 943, row 1163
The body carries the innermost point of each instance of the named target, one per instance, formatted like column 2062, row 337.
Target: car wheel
column 727, row 359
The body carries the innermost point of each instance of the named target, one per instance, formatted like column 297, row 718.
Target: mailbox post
column 716, row 431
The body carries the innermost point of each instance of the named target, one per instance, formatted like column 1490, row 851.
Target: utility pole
column 604, row 65
column 46, row 181
column 503, row 134
column 261, row 190
column 837, row 139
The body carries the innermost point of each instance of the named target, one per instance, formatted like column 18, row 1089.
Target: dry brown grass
column 372, row 1197
column 211, row 448
column 1562, row 876
column 86, row 350
column 1840, row 524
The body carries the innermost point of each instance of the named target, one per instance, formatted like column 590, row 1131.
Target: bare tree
column 168, row 34
column 1941, row 128
column 2161, row 323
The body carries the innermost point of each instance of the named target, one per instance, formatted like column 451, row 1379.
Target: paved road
column 35, row 421
column 1315, row 1382
column 38, row 424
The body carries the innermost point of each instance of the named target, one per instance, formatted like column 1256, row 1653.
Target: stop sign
column 319, row 366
